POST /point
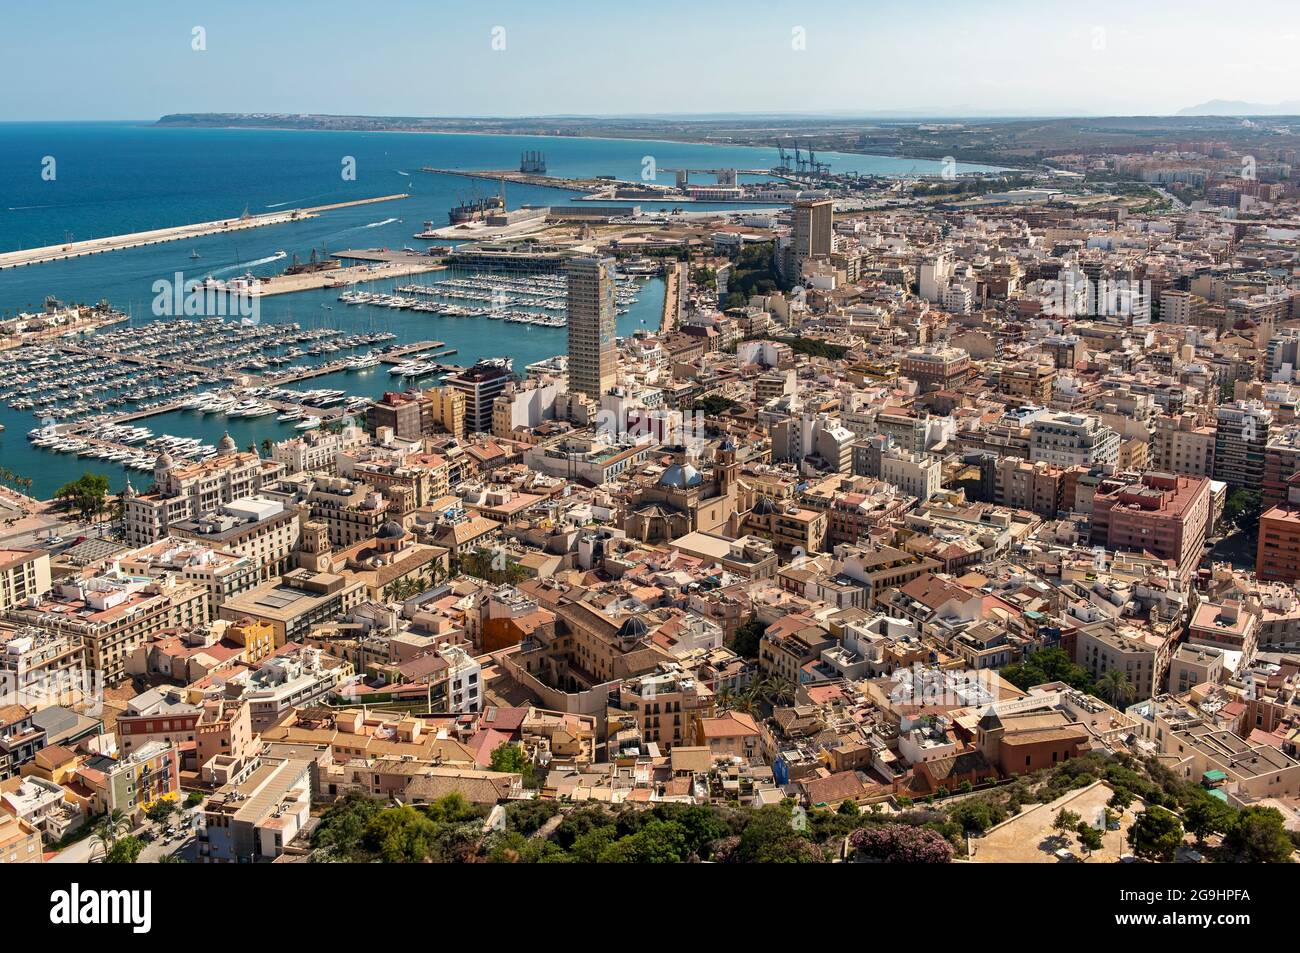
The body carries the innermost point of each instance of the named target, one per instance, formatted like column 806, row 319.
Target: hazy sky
column 133, row 59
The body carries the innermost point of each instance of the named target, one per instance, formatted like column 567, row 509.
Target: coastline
column 694, row 141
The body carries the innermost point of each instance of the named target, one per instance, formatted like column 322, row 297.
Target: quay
column 524, row 178
column 351, row 275
column 24, row 338
column 96, row 246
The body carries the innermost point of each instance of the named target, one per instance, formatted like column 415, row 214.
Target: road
column 89, row 850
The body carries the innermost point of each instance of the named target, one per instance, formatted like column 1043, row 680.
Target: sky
column 136, row 59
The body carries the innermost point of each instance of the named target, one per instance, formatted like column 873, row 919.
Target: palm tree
column 745, row 701
column 1115, row 687
column 776, row 690
column 109, row 828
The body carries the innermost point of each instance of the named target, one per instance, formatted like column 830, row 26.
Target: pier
column 157, row 236
column 524, row 178
column 351, row 275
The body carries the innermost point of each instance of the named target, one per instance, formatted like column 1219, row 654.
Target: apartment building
column 1141, row 655
column 112, row 613
column 936, row 368
column 24, row 574
column 188, row 491
column 1158, row 513
column 223, row 574
column 916, row 475
column 297, row 601
column 1241, row 436
column 253, row 820
column 1181, row 445
column 1067, row 439
column 260, row 529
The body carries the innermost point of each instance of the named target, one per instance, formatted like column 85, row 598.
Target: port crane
column 805, row 162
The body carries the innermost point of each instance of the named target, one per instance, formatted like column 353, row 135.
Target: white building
column 914, row 474
column 1066, row 440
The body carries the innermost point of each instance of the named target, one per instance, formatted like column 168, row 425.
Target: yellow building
column 20, row 843
column 448, row 409
column 257, row 636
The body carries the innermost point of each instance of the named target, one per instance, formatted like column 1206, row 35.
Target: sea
column 76, row 181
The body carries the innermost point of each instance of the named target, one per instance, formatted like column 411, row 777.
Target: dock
column 157, row 236
column 393, row 355
column 350, row 275
column 524, row 178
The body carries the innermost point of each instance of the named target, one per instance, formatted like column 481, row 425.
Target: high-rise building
column 812, row 235
column 405, row 413
column 593, row 358
column 1240, row 439
column 448, row 407
column 488, row 378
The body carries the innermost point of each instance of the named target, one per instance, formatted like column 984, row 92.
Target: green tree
column 401, row 835
column 1089, row 837
column 657, row 842
column 86, row 494
column 714, row 405
column 1243, row 509
column 1065, row 821
column 772, row 836
column 1047, row 665
column 748, row 635
column 343, row 827
column 975, row 815
column 1208, row 815
column 109, row 828
column 588, row 847
column 1259, row 836
column 512, row 847
column 527, row 817
column 161, row 810
column 1156, row 835
column 513, row 758
column 125, row 850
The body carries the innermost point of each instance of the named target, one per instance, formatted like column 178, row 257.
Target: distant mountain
column 1230, row 107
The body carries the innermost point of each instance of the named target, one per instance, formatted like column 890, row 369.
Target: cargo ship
column 476, row 210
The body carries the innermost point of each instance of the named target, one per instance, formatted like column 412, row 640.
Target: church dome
column 681, row 475
column 764, row 507
column 164, row 461
column 226, row 444
column 391, row 530
column 633, row 628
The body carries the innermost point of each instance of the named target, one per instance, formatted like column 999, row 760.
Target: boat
column 194, row 255
column 475, row 210
column 307, row 423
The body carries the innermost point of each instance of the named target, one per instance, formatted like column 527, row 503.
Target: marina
column 536, row 300
column 112, row 399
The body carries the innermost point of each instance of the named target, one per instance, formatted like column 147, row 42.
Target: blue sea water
column 111, row 178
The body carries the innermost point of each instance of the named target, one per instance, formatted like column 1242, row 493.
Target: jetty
column 349, row 275
column 157, row 236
